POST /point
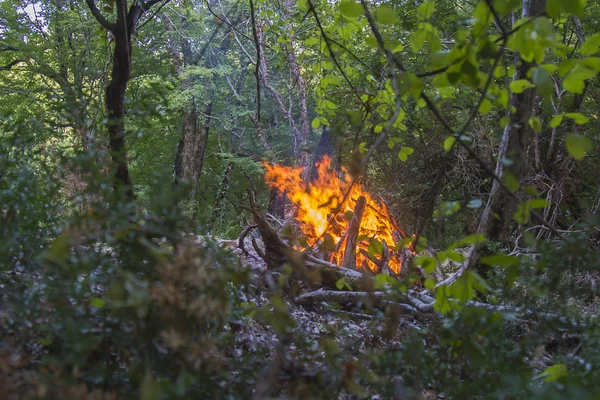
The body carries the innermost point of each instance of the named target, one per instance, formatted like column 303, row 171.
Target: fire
column 321, row 209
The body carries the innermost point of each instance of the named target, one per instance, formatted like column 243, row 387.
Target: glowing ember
column 318, row 211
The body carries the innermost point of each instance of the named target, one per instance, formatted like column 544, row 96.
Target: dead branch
column 243, row 237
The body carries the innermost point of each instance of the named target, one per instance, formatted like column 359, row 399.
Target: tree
column 122, row 31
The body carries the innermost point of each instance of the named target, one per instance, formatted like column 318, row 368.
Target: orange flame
column 319, row 211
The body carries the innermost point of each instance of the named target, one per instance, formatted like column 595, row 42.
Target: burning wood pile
column 337, row 224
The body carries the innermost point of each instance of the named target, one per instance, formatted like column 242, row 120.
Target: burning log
column 352, row 234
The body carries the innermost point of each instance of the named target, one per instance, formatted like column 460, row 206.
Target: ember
column 321, row 210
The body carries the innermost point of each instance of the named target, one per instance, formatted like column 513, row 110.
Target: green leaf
column 577, row 146
column 575, row 80
column 410, row 83
column 511, row 181
column 482, row 17
column 554, row 373
column 446, row 209
column 429, row 283
column 381, row 281
column 97, row 302
column 386, row 15
column 485, row 107
column 341, row 284
column 375, row 247
column 579, row 119
column 556, row 121
column 499, row 260
column 442, row 303
column 351, row 9
column 316, row 123
column 542, row 80
column 535, row 124
column 520, row 85
column 572, row 6
column 405, row 152
column 311, row 41
column 449, row 143
column 428, row 263
column 537, row 203
column 403, row 243
column 591, row 45
column 425, row 10
column 523, row 213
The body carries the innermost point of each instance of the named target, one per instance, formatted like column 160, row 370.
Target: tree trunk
column 219, row 208
column 115, row 94
column 500, row 207
column 499, row 210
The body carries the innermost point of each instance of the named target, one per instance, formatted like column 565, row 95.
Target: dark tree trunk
column 115, row 94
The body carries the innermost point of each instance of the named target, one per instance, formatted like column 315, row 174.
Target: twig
column 153, row 15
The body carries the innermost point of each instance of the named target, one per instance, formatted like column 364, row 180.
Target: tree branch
column 11, row 64
column 99, row 17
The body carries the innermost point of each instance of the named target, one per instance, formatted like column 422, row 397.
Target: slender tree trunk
column 500, row 207
column 115, row 94
column 122, row 30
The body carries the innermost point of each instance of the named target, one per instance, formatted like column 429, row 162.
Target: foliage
column 106, row 297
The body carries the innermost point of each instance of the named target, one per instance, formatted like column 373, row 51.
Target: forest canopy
column 355, row 199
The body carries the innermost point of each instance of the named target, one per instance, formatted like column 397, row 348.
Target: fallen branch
column 373, row 299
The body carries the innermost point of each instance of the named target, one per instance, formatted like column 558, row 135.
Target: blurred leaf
column 386, row 15
column 579, row 119
column 520, row 85
column 425, row 10
column 97, row 302
column 449, row 143
column 351, row 9
column 577, row 146
column 554, row 373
